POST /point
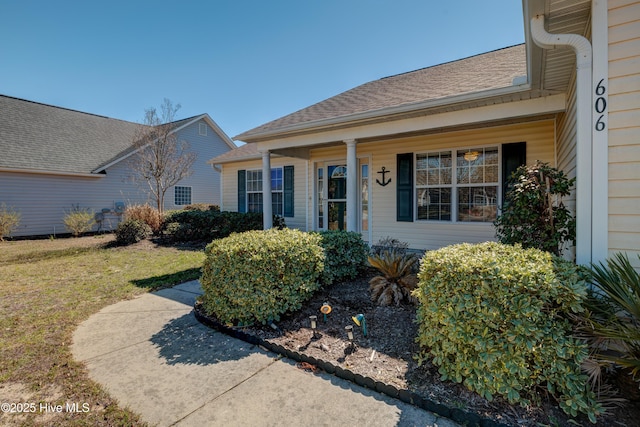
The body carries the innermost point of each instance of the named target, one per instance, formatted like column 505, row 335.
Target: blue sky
column 243, row 62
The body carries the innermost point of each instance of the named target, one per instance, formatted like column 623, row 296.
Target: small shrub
column 533, row 213
column 387, row 244
column 79, row 221
column 132, row 231
column 257, row 276
column 9, row 221
column 397, row 281
column 147, row 214
column 346, row 255
column 494, row 317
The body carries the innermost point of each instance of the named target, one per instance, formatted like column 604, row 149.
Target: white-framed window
column 457, row 185
column 182, row 195
column 254, row 191
column 202, row 129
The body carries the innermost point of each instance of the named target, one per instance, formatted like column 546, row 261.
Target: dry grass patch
column 48, row 287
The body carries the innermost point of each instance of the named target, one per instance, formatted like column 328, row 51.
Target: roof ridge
column 451, row 62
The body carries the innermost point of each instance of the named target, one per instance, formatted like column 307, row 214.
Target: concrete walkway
column 153, row 356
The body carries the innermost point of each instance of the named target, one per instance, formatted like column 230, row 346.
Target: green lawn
column 47, row 288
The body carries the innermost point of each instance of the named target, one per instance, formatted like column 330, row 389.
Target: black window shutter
column 288, row 191
column 242, row 191
column 404, row 187
column 514, row 155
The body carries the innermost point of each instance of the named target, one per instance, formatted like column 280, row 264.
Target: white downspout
column 582, row 48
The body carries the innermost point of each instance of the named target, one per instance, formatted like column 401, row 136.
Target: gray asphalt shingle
column 492, row 70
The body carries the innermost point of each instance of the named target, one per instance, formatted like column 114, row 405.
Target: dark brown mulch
column 386, row 355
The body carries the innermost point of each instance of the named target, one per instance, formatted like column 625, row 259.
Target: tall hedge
column 257, row 276
column 206, row 225
column 494, row 317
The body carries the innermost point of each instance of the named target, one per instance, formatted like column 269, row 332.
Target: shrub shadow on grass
column 185, row 341
column 168, row 280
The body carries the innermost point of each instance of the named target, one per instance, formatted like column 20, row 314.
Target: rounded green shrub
column 346, row 255
column 257, row 276
column 132, row 231
column 495, row 318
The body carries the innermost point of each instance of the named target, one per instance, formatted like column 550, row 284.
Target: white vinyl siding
column 230, row 187
column 624, row 128
column 43, row 199
column 539, row 136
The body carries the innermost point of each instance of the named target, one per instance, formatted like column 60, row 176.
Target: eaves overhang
column 405, row 111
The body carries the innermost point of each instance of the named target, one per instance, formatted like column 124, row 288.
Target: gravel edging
column 406, row 396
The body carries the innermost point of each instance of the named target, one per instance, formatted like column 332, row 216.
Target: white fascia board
column 510, row 110
column 47, row 172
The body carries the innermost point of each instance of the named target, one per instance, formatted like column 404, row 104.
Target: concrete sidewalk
column 153, row 356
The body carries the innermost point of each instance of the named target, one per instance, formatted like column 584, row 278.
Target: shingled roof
column 42, row 137
column 493, row 70
column 39, row 137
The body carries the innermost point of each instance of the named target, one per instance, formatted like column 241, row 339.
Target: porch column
column 267, row 210
column 352, row 186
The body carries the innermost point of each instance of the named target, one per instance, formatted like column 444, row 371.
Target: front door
column 331, row 197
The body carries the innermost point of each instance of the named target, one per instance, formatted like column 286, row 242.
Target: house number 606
column 600, row 105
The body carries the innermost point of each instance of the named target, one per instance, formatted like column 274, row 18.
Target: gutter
column 583, row 51
column 58, row 173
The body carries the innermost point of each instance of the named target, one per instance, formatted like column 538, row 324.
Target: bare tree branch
column 161, row 161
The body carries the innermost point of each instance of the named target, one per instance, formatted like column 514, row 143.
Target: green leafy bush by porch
column 533, row 213
column 206, row 225
column 346, row 255
column 257, row 276
column 494, row 317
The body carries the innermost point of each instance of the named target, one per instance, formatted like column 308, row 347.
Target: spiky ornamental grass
column 397, row 280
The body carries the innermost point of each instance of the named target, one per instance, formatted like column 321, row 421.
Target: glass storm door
column 337, row 197
column 331, row 197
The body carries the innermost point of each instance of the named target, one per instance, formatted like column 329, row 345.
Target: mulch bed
column 383, row 359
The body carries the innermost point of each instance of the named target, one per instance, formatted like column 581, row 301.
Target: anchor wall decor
column 384, row 171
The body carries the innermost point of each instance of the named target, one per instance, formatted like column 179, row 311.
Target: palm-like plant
column 397, row 279
column 613, row 320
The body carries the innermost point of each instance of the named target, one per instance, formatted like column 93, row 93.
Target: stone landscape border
column 406, row 396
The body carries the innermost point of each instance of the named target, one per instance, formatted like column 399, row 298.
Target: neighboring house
column 53, row 159
column 423, row 156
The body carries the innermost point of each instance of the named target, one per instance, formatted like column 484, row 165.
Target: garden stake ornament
column 359, row 320
column 325, row 309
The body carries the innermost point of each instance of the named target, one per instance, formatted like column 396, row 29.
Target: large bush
column 494, row 317
column 201, row 225
column 257, row 276
column 346, row 255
